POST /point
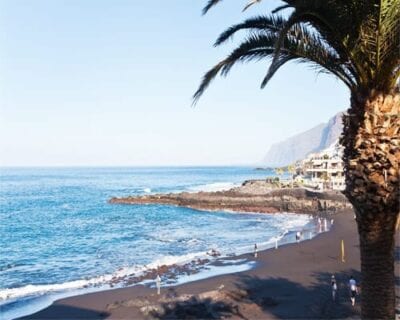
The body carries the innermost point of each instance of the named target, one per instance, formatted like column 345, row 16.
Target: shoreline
column 201, row 266
column 320, row 255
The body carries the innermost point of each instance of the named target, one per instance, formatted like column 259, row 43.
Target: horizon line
column 131, row 166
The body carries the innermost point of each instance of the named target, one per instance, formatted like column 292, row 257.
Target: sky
column 109, row 83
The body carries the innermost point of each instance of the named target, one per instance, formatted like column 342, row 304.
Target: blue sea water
column 59, row 233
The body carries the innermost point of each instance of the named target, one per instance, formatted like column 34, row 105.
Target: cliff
column 299, row 146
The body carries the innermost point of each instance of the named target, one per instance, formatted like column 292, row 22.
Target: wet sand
column 291, row 282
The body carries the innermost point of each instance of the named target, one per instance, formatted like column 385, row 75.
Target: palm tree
column 292, row 170
column 358, row 42
column 279, row 172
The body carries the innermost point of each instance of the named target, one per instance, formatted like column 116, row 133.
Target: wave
column 212, row 187
column 9, row 266
column 137, row 270
column 285, row 223
column 168, row 238
column 30, row 290
column 8, row 294
column 292, row 221
column 232, row 266
column 213, row 271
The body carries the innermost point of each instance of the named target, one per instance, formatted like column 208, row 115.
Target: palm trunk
column 371, row 156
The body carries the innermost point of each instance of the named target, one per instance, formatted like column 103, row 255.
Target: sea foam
column 63, row 236
column 29, row 290
column 213, row 187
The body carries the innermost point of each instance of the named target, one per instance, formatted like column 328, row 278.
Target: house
column 324, row 169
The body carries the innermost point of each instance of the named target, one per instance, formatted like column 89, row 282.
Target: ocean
column 60, row 236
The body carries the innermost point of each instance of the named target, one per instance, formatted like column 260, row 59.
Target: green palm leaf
column 209, row 5
column 357, row 41
column 300, row 44
column 270, row 23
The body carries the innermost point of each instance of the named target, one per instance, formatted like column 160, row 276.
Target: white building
column 324, row 169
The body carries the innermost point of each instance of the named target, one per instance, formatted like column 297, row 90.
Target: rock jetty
column 260, row 196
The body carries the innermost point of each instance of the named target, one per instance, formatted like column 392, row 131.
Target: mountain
column 299, row 146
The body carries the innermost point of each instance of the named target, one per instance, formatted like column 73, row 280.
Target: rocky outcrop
column 299, row 146
column 250, row 197
column 213, row 304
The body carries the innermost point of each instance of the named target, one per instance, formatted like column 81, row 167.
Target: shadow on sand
column 253, row 297
column 67, row 312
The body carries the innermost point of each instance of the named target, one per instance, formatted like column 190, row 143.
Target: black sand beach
column 291, row 282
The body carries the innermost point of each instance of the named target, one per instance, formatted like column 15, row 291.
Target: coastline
column 198, row 265
column 292, row 281
column 255, row 196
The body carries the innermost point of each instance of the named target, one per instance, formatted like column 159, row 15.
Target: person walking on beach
column 158, row 284
column 320, row 225
column 255, row 250
column 353, row 290
column 334, row 287
column 298, row 236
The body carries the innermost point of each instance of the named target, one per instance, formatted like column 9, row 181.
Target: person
column 353, row 290
column 334, row 287
column 158, row 284
column 255, row 250
column 298, row 235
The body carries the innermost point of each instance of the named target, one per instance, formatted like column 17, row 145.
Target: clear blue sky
column 109, row 82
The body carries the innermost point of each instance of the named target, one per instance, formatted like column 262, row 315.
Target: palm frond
column 366, row 35
column 385, row 43
column 280, row 8
column 300, row 44
column 251, row 3
column 256, row 46
column 209, row 5
column 356, row 40
column 206, row 80
column 307, row 46
column 267, row 23
column 279, row 62
column 282, row 35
